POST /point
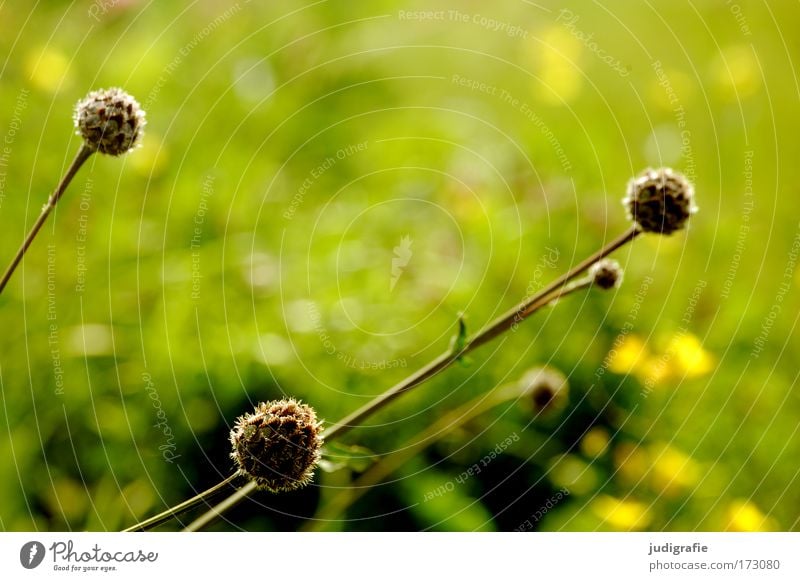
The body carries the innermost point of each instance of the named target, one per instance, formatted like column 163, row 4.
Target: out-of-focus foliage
column 324, row 187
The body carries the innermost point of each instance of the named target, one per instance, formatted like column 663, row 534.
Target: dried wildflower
column 278, row 445
column 546, row 389
column 660, row 201
column 110, row 121
column 606, row 274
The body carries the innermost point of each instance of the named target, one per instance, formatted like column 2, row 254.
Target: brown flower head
column 278, row 445
column 110, row 121
column 606, row 274
column 660, row 201
column 546, row 389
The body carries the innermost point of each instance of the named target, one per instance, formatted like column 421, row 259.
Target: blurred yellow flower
column 744, row 516
column 736, row 71
column 626, row 356
column 631, row 462
column 684, row 356
column 595, row 442
column 624, row 515
column 557, row 55
column 570, row 472
column 690, row 356
column 48, row 69
column 673, row 471
column 654, row 370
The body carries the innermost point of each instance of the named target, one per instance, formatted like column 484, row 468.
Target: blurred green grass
column 245, row 104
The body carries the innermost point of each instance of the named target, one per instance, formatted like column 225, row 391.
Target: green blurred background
column 295, row 150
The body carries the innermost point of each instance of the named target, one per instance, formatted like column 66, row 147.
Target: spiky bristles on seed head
column 660, row 200
column 278, row 445
column 110, row 121
column 546, row 389
column 606, row 274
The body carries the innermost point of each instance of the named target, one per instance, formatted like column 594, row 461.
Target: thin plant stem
column 163, row 517
column 500, row 325
column 557, row 290
column 220, row 508
column 552, row 292
column 382, row 469
column 527, row 307
column 83, row 154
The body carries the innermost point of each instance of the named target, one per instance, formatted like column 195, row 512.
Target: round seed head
column 660, row 201
column 546, row 389
column 110, row 121
column 278, row 445
column 606, row 274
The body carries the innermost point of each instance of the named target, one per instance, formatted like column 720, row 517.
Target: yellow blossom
column 744, row 516
column 690, row 357
column 557, row 54
column 627, row 355
column 622, row 514
column 595, row 442
column 48, row 69
column 673, row 471
column 631, row 461
column 737, row 72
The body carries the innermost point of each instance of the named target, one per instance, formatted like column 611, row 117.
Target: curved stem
column 174, row 511
column 500, row 325
column 379, row 471
column 518, row 314
column 220, row 508
column 83, row 154
column 555, row 290
column 461, row 415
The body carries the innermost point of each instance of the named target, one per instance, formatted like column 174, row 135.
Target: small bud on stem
column 606, row 274
column 546, row 389
column 110, row 121
column 278, row 445
column 660, row 201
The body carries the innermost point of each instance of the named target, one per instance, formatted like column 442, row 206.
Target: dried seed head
column 606, row 274
column 546, row 389
column 660, row 200
column 278, row 445
column 110, row 121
